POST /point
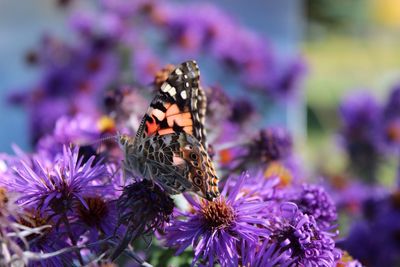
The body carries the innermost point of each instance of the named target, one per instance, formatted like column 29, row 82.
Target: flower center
column 34, row 219
column 218, row 213
column 96, row 212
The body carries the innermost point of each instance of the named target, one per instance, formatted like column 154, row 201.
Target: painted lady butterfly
column 170, row 146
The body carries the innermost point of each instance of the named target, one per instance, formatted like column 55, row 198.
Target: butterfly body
column 170, row 145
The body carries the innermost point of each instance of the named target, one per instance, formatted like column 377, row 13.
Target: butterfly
column 170, row 146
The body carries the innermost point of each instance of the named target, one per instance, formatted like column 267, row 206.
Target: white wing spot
column 183, row 95
column 186, row 84
column 165, row 87
column 178, row 72
column 172, row 91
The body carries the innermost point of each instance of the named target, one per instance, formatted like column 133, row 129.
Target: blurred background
column 347, row 44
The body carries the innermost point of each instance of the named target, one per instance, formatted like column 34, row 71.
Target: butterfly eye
column 193, row 156
column 197, row 181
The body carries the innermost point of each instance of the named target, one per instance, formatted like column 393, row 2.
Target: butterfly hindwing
column 180, row 163
column 179, row 105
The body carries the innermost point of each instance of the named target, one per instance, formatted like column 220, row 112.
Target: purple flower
column 143, row 208
column 380, row 215
column 144, row 205
column 216, row 229
column 270, row 145
column 361, row 133
column 309, row 245
column 79, row 130
column 360, row 114
column 97, row 221
column 242, row 110
column 265, row 255
column 51, row 239
column 56, row 186
column 392, row 107
column 289, row 80
column 313, row 200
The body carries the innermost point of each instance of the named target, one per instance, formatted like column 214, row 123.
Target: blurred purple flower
column 361, row 126
column 392, row 106
column 272, row 144
column 289, row 80
column 72, row 78
column 242, row 110
column 82, row 130
column 380, row 215
column 216, row 229
column 391, row 118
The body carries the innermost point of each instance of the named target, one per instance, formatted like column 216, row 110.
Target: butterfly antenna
column 104, row 139
column 229, row 145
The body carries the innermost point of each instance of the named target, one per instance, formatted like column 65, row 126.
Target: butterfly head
column 124, row 140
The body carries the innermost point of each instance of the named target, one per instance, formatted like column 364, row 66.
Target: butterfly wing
column 179, row 163
column 171, row 136
column 179, row 106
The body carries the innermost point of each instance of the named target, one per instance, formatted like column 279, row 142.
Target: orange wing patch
column 168, row 121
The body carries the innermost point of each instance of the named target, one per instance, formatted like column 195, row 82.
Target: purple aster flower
column 96, row 223
column 53, row 238
column 309, row 245
column 361, row 115
column 269, row 146
column 289, row 80
column 143, row 208
column 193, row 31
column 314, row 200
column 56, row 186
column 20, row 234
column 380, row 215
column 72, row 78
column 242, row 110
column 392, row 106
column 265, row 255
column 216, row 229
column 83, row 130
